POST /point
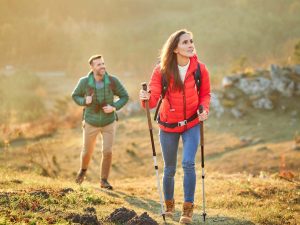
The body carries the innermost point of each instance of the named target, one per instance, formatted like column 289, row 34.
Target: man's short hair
column 93, row 57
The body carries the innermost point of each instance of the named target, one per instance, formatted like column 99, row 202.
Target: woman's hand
column 144, row 95
column 203, row 116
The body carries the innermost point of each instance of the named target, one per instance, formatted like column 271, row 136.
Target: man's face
column 98, row 67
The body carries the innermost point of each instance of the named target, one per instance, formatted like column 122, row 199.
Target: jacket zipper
column 184, row 104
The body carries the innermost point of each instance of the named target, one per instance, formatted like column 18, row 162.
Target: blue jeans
column 169, row 146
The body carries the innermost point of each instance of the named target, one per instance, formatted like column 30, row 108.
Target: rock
column 236, row 113
column 280, row 81
column 230, row 95
column 296, row 69
column 263, row 103
column 228, row 103
column 216, row 105
column 259, row 85
column 289, row 89
column 254, row 97
column 261, row 89
column 228, row 81
column 297, row 89
column 294, row 113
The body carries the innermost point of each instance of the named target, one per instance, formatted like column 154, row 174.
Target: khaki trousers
column 90, row 134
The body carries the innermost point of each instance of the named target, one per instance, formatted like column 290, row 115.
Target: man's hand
column 203, row 116
column 108, row 109
column 144, row 95
column 88, row 99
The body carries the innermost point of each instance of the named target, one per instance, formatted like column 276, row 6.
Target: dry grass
column 230, row 199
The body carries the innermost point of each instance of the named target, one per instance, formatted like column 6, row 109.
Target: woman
column 178, row 114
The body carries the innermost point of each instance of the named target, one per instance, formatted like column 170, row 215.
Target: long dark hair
column 168, row 59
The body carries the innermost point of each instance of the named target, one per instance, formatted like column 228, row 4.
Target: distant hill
column 61, row 36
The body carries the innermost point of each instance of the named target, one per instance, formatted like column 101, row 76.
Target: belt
column 178, row 124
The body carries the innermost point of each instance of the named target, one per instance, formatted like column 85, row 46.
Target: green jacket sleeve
column 121, row 92
column 78, row 94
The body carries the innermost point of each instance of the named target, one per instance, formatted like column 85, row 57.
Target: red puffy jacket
column 180, row 105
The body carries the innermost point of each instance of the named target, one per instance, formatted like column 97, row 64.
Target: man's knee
column 107, row 150
column 106, row 154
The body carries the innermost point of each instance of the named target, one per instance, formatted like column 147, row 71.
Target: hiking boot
column 105, row 184
column 170, row 207
column 80, row 176
column 187, row 213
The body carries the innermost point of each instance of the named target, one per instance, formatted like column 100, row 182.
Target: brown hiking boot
column 105, row 184
column 80, row 176
column 170, row 207
column 187, row 213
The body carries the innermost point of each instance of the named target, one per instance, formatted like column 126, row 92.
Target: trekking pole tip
column 164, row 217
column 204, row 215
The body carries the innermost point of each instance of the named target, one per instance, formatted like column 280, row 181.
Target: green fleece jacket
column 93, row 113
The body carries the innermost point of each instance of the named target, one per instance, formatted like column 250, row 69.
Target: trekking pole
column 144, row 86
column 202, row 162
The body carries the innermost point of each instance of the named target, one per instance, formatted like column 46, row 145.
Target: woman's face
column 185, row 46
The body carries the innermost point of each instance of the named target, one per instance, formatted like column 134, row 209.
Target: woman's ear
column 175, row 50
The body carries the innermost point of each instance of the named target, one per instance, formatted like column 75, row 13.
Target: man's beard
column 98, row 74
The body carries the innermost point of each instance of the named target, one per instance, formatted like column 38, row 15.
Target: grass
column 230, row 199
column 244, row 181
column 237, row 192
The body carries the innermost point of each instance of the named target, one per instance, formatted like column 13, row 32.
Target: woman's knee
column 188, row 165
column 169, row 171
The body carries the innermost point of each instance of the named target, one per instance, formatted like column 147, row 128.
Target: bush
column 296, row 55
column 19, row 102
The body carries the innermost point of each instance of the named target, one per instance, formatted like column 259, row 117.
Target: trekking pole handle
column 144, row 86
column 200, row 109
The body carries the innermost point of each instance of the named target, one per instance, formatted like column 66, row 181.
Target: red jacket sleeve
column 155, row 87
column 204, row 95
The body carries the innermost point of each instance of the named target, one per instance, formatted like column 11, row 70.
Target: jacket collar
column 193, row 65
column 91, row 79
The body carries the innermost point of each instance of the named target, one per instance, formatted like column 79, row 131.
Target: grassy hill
column 252, row 169
column 244, row 182
column 236, row 199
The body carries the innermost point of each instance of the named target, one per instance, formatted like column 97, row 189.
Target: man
column 96, row 92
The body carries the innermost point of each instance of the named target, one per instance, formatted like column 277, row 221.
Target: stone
column 216, row 105
column 236, row 113
column 263, row 103
column 228, row 81
column 296, row 69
